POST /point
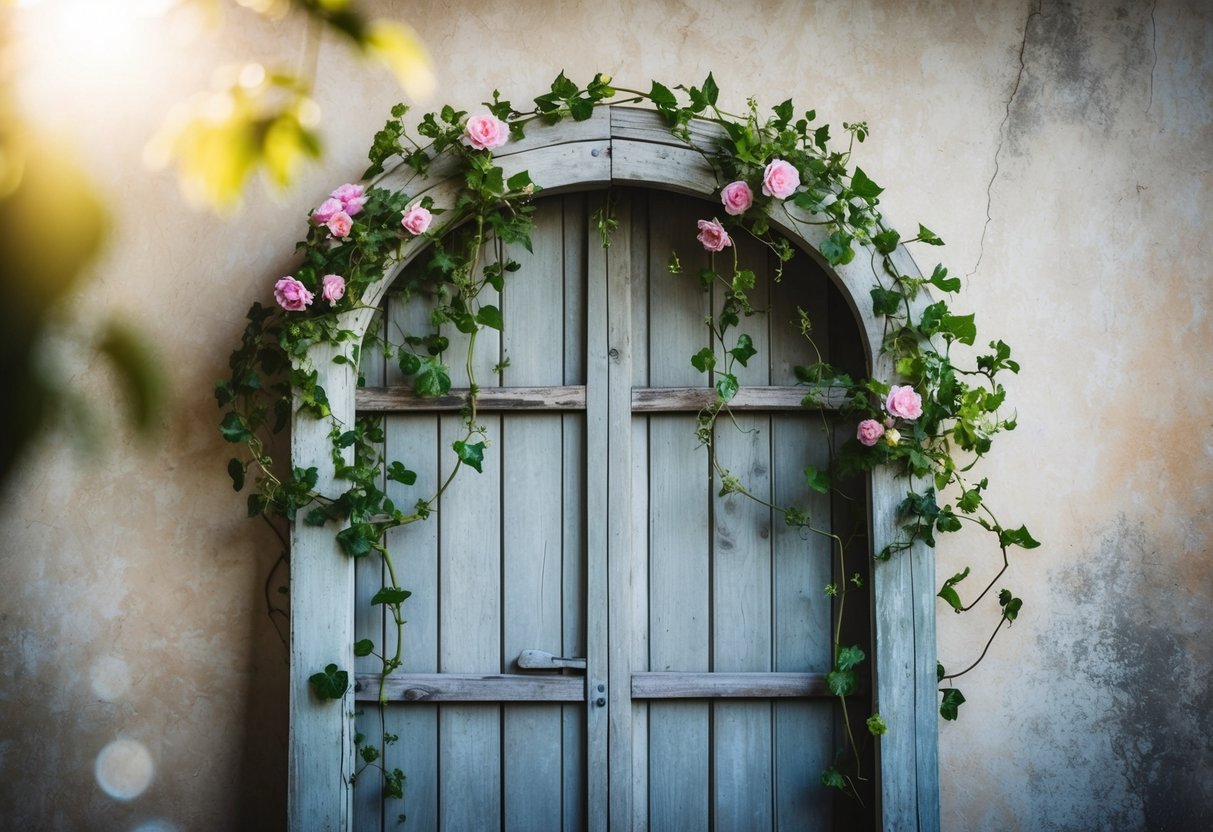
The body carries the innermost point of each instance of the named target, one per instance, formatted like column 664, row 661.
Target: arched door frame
column 617, row 146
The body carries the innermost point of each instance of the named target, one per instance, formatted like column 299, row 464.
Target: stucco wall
column 1064, row 152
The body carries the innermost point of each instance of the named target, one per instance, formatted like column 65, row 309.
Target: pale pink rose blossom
column 903, row 402
column 332, row 288
column 292, row 295
column 737, row 198
column 327, row 210
column 869, row 432
column 416, row 220
column 780, row 179
column 352, row 198
column 713, row 236
column 340, row 224
column 485, row 132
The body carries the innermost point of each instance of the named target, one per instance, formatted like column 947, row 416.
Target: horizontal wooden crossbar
column 462, row 687
column 644, row 399
column 728, row 685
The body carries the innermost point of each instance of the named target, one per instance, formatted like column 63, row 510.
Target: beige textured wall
column 1075, row 193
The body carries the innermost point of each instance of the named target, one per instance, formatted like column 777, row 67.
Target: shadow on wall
column 1133, row 659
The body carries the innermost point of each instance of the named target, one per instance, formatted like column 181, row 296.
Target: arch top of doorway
column 631, row 146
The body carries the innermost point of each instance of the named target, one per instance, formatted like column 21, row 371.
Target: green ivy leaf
column 471, row 454
column 433, row 378
column 819, row 481
column 952, row 700
column 409, row 363
column 490, row 316
column 357, row 540
column 1017, row 537
column 886, row 241
column 364, row 647
column 831, row 778
column 849, row 657
column 864, row 187
column 703, row 360
column 744, row 350
column 234, row 428
column 710, row 91
column 331, row 683
column 877, row 726
column 926, row 235
column 726, row 386
column 398, row 473
column 390, row 595
column 885, row 301
column 837, row 249
column 960, row 327
column 1010, row 604
column 661, row 96
column 235, row 470
column 947, row 593
column 841, row 682
column 941, row 281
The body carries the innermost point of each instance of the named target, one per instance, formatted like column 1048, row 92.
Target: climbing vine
column 932, row 423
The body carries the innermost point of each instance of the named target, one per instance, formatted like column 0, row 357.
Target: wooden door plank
column 619, row 276
column 637, row 232
column 469, row 736
column 321, row 748
column 597, row 539
column 679, row 611
column 532, row 531
column 473, row 687
column 491, row 399
column 413, row 440
column 573, row 591
column 369, row 624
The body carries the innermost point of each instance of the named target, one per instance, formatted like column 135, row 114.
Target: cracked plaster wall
column 1062, row 149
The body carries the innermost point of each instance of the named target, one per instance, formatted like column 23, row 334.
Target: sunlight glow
column 124, row 769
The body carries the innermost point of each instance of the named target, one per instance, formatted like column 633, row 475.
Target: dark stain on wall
column 1083, row 62
column 1135, row 635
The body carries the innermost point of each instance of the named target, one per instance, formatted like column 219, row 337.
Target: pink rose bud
column 892, row 436
column 340, row 225
column 780, row 179
column 292, row 295
column 332, row 288
column 352, row 198
column 903, row 402
column 327, row 210
column 485, row 132
column 416, row 220
column 869, row 432
column 713, row 236
column 737, row 198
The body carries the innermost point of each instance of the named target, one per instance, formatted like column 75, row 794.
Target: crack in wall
column 1154, row 50
column 1002, row 134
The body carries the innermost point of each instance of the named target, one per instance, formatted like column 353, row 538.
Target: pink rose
column 903, row 402
column 780, row 179
column 292, row 295
column 869, row 432
column 416, row 220
column 327, row 210
column 340, row 224
column 352, row 198
column 737, row 198
column 485, row 132
column 332, row 288
column 713, row 236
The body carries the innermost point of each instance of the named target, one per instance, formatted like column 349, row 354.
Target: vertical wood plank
column 573, row 568
column 413, row 440
column 469, row 736
column 638, row 237
column 532, row 527
column 598, row 760
column 679, row 613
column 321, row 747
column 369, row 623
column 619, row 518
column 804, row 743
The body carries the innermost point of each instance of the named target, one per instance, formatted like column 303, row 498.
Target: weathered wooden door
column 596, row 532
